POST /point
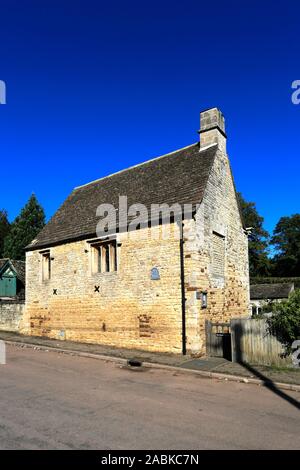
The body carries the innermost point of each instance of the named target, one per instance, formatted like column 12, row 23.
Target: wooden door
column 8, row 286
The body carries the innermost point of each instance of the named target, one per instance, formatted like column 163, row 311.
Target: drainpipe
column 183, row 299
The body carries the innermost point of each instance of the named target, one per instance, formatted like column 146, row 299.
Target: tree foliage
column 4, row 229
column 285, row 321
column 24, row 229
column 286, row 239
column 259, row 263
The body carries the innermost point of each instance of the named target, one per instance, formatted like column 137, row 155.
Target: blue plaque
column 155, row 274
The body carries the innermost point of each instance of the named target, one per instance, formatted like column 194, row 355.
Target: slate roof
column 20, row 268
column 178, row 177
column 271, row 291
column 3, row 261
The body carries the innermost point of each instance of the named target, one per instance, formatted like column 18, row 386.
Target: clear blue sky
column 93, row 87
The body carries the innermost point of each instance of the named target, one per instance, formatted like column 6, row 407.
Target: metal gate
column 218, row 339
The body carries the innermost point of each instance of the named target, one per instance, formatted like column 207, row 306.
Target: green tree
column 4, row 229
column 24, row 229
column 285, row 321
column 286, row 239
column 259, row 262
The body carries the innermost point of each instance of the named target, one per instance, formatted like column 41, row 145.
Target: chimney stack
column 212, row 129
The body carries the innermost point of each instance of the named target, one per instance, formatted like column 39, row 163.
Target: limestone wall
column 228, row 294
column 11, row 314
column 130, row 309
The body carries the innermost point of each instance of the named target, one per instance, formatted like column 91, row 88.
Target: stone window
column 218, row 255
column 46, row 265
column 104, row 257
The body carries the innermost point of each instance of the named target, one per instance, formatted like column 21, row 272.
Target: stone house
column 137, row 288
column 262, row 295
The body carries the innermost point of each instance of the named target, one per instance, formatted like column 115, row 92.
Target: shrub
column 285, row 321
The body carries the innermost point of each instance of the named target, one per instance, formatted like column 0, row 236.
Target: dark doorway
column 218, row 340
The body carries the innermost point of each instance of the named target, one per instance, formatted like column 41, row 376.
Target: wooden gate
column 218, row 339
column 8, row 286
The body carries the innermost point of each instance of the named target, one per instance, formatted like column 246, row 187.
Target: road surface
column 56, row 401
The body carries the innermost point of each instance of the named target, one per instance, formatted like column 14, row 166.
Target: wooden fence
column 252, row 343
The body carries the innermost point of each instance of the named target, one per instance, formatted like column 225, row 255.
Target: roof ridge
column 140, row 164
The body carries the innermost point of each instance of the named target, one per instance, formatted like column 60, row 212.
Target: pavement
column 285, row 378
column 51, row 400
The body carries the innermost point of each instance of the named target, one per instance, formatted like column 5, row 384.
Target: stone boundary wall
column 11, row 314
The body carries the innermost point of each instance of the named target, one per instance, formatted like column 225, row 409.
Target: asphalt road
column 55, row 401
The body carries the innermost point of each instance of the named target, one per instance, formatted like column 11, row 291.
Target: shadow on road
column 268, row 383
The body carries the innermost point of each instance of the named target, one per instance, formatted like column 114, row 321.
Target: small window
column 203, row 299
column 46, row 266
column 104, row 257
column 218, row 255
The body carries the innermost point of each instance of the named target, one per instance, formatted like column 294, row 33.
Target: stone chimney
column 212, row 129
